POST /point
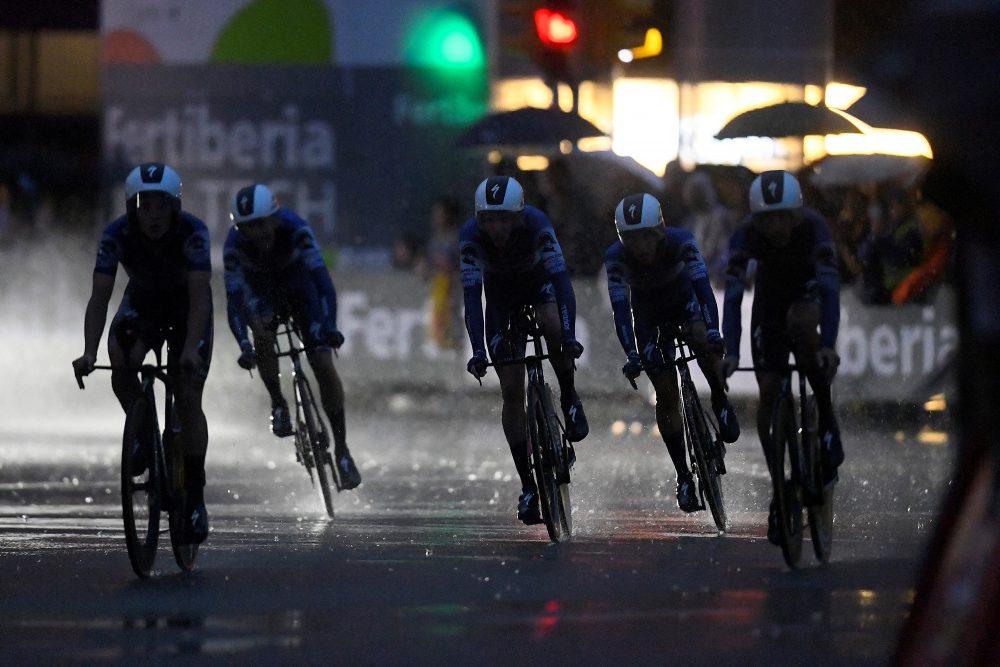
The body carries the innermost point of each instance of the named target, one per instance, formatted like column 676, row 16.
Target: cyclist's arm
column 309, row 248
column 555, row 269
column 736, row 282
column 472, row 292
column 828, row 281
column 621, row 305
column 199, row 309
column 235, row 282
column 97, row 312
column 697, row 271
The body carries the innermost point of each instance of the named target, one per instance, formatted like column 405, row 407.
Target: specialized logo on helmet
column 633, row 209
column 151, row 172
column 244, row 200
column 772, row 186
column 496, row 190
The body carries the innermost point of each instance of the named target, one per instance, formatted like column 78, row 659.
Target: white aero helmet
column 252, row 203
column 638, row 211
column 499, row 193
column 153, row 177
column 775, row 191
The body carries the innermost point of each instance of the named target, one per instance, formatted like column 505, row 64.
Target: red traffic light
column 555, row 29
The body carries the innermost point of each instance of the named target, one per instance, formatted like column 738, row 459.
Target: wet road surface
column 425, row 563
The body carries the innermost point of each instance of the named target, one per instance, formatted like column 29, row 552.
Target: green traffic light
column 444, row 39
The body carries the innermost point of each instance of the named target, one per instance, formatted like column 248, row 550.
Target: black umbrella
column 788, row 119
column 528, row 127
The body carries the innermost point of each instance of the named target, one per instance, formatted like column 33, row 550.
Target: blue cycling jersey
column 661, row 289
column 157, row 270
column 251, row 273
column 784, row 273
column 531, row 259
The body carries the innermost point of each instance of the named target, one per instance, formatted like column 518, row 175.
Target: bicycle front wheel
column 141, row 493
column 820, row 501
column 784, row 478
column 311, row 421
column 539, row 434
column 700, row 438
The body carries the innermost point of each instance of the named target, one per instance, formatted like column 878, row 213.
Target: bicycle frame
column 311, row 436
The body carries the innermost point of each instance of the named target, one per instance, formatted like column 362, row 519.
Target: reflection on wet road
column 425, row 563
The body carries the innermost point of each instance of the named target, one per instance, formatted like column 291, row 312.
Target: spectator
column 893, row 248
column 938, row 234
column 849, row 231
column 442, row 263
column 711, row 223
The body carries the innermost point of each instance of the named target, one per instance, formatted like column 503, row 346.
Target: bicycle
column 312, row 439
column 706, row 451
column 798, row 478
column 552, row 455
column 160, row 484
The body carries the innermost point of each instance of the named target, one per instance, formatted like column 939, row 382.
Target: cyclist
column 168, row 298
column 796, row 292
column 510, row 251
column 274, row 269
column 657, row 281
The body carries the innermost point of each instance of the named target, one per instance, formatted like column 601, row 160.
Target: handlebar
column 159, row 371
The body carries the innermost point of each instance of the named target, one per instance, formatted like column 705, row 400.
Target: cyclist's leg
column 803, row 325
column 188, row 390
column 696, row 335
column 127, row 347
column 562, row 364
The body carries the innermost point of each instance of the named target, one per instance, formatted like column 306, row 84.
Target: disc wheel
column 709, row 480
column 787, row 493
column 140, row 493
column 317, row 443
column 185, row 552
column 549, row 498
column 820, row 506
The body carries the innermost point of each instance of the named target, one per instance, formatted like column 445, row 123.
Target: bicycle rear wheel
column 559, row 450
column 140, row 493
column 185, row 551
column 700, row 438
column 820, row 503
column 539, row 434
column 784, row 478
column 318, row 444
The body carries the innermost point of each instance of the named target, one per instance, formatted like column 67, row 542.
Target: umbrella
column 788, row 119
column 528, row 127
column 848, row 170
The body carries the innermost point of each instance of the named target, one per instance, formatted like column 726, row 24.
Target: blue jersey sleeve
column 828, row 281
column 307, row 249
column 470, row 261
column 620, row 292
column 736, row 282
column 697, row 271
column 109, row 248
column 236, row 287
column 555, row 268
column 197, row 248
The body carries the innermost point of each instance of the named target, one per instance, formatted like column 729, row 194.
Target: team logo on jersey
column 632, row 209
column 151, row 172
column 496, row 189
column 244, row 200
column 772, row 186
column 548, row 242
column 469, row 256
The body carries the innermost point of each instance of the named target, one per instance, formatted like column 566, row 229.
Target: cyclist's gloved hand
column 334, row 339
column 715, row 342
column 828, row 361
column 633, row 367
column 248, row 358
column 83, row 365
column 477, row 364
column 573, row 348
